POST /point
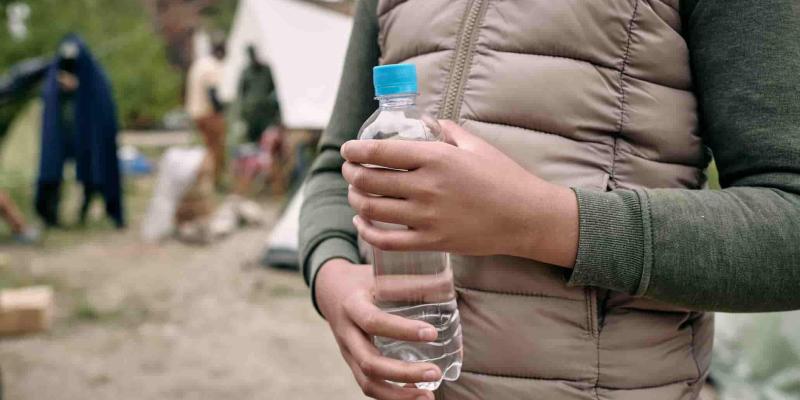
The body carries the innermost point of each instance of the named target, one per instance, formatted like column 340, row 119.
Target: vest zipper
column 465, row 48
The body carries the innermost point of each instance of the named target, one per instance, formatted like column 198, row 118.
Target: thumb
column 454, row 134
column 457, row 136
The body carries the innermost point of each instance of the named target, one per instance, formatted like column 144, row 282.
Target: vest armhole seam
column 625, row 60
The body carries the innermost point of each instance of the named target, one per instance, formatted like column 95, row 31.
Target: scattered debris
column 26, row 310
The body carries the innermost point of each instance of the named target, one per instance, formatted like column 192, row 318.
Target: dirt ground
column 138, row 321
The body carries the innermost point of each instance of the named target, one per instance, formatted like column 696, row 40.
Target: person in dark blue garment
column 79, row 123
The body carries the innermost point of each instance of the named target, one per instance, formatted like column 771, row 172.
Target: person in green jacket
column 258, row 97
column 735, row 249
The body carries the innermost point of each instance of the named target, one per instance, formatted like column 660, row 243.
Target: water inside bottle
column 414, row 285
column 419, row 286
column 445, row 352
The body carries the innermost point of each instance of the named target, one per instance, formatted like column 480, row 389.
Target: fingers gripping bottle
column 415, row 285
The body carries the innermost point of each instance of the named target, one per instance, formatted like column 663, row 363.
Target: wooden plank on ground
column 25, row 310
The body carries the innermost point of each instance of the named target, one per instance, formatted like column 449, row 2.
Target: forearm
column 547, row 226
column 732, row 250
column 326, row 228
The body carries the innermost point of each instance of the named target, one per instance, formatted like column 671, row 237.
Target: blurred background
column 178, row 294
column 170, row 271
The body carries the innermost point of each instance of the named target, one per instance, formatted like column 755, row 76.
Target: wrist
column 325, row 278
column 550, row 234
column 327, row 250
column 567, row 224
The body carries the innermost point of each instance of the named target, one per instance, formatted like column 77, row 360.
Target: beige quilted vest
column 585, row 93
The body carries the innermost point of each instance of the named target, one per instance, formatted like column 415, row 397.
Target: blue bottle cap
column 395, row 79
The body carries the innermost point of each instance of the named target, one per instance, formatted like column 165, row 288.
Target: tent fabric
column 304, row 45
column 93, row 144
column 282, row 243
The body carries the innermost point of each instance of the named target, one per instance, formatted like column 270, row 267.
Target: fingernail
column 355, row 218
column 430, row 375
column 427, row 334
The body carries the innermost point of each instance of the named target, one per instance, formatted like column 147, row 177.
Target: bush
column 122, row 38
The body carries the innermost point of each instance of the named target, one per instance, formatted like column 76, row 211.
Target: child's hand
column 465, row 197
column 344, row 295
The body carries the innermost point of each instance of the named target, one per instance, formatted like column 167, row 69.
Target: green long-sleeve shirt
column 736, row 249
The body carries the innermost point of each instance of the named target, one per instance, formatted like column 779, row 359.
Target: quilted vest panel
column 585, row 93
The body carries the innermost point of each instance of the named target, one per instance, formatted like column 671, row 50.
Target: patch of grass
column 283, row 291
column 9, row 279
column 13, row 278
column 129, row 312
column 280, row 291
column 100, row 379
column 86, row 312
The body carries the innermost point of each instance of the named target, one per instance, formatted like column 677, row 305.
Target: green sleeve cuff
column 615, row 242
column 327, row 250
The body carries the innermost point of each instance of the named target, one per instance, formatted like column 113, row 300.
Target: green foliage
column 84, row 311
column 713, row 176
column 221, row 14
column 122, row 37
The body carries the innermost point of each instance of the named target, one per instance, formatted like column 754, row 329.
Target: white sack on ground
column 177, row 171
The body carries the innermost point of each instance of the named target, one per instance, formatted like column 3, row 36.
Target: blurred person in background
column 79, row 124
column 570, row 192
column 258, row 97
column 262, row 156
column 23, row 232
column 203, row 103
column 16, row 89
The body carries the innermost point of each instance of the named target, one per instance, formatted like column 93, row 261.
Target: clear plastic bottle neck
column 397, row 101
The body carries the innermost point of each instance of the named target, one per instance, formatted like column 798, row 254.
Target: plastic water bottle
column 415, row 285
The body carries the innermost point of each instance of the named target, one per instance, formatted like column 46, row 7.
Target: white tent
column 305, row 46
column 282, row 243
